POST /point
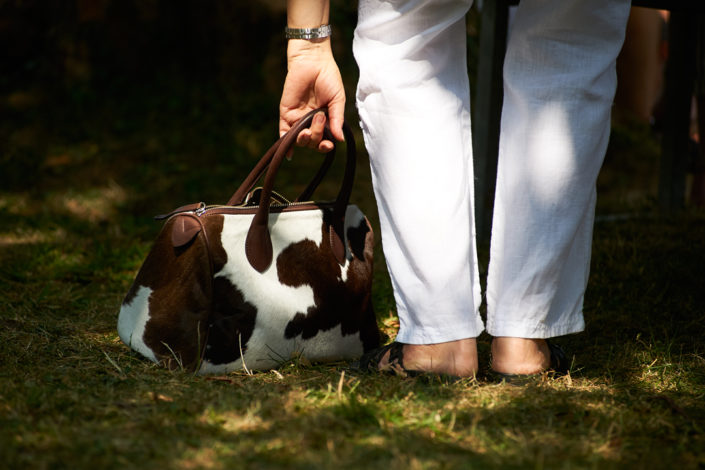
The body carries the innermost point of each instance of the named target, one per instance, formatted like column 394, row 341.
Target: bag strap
column 322, row 170
column 238, row 198
column 258, row 244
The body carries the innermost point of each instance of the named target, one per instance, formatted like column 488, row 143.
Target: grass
column 73, row 396
column 80, row 178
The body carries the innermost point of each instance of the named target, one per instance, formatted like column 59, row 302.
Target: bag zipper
column 204, row 209
column 226, row 209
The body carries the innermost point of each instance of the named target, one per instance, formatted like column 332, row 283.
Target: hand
column 313, row 81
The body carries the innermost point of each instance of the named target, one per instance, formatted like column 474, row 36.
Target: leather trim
column 239, row 197
column 259, row 248
column 336, row 245
column 184, row 230
column 322, row 171
column 273, row 209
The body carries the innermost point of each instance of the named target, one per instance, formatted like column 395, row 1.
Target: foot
column 455, row 358
column 522, row 356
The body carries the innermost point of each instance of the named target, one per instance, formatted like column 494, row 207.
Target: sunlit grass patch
column 76, row 229
column 70, row 391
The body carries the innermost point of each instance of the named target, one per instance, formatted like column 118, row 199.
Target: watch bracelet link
column 322, row 31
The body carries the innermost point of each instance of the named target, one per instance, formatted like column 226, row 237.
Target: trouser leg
column 559, row 83
column 413, row 101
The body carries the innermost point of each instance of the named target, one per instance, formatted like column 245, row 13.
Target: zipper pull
column 196, row 207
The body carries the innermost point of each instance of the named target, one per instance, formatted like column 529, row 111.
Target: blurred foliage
column 175, row 80
column 189, row 83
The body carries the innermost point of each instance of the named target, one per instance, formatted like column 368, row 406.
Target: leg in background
column 559, row 84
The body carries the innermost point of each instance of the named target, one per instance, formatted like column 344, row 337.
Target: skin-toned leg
column 414, row 106
column 559, row 83
column 520, row 355
column 458, row 358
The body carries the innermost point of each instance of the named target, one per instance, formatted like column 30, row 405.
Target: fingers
column 317, row 125
column 313, row 136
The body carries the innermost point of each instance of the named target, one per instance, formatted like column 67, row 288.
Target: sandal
column 369, row 362
column 558, row 367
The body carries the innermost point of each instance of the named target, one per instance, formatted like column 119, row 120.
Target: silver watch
column 322, row 31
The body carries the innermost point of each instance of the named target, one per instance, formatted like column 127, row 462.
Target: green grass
column 81, row 175
column 73, row 396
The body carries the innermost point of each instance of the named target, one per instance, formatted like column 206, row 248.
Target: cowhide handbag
column 257, row 281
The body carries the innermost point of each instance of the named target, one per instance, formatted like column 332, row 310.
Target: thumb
column 283, row 127
column 336, row 117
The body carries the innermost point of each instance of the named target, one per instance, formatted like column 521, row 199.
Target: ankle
column 512, row 355
column 457, row 358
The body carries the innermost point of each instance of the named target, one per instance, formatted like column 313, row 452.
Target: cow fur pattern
column 202, row 306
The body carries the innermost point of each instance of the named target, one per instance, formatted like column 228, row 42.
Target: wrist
column 319, row 32
column 308, row 48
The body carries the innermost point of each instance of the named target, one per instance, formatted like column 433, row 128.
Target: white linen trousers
column 414, row 105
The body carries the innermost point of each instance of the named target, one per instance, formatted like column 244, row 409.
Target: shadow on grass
column 72, row 245
column 645, row 294
column 85, row 167
column 146, row 417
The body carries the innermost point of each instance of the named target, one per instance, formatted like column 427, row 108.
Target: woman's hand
column 313, row 81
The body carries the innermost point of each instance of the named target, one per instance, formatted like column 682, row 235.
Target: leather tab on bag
column 258, row 247
column 184, row 230
column 337, row 245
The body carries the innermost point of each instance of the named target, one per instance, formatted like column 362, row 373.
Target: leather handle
column 258, row 244
column 239, row 196
column 322, row 171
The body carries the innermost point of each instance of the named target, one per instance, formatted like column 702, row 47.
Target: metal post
column 487, row 110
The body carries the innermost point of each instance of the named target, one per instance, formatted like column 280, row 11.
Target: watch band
column 322, row 31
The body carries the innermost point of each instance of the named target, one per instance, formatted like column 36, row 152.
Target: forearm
column 313, row 79
column 307, row 13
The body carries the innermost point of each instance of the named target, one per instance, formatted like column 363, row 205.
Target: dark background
column 173, row 100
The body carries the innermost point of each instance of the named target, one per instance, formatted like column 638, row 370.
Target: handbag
column 258, row 281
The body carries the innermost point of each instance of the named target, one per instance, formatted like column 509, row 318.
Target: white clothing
column 414, row 106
